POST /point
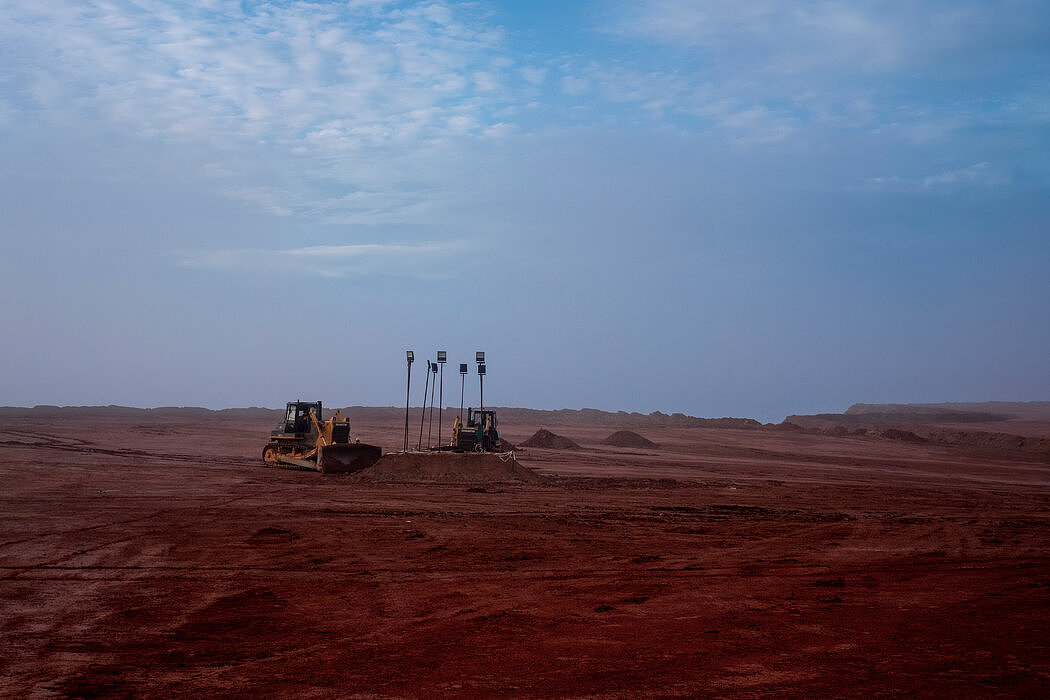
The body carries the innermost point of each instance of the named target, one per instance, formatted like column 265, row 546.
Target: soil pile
column 902, row 435
column 925, row 434
column 995, row 441
column 626, row 438
column 448, row 468
column 546, row 439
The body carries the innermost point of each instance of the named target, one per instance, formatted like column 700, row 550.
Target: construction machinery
column 304, row 440
column 478, row 435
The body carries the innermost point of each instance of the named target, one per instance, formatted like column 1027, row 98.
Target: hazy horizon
column 961, row 406
column 717, row 209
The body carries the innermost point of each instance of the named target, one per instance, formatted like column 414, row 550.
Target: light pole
column 442, row 358
column 462, row 384
column 430, row 425
column 423, row 413
column 410, row 356
column 479, row 357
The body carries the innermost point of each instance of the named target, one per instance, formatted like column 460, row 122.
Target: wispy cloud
column 946, row 63
column 372, row 111
column 424, row 260
column 976, row 175
column 836, row 36
column 267, row 71
column 361, row 95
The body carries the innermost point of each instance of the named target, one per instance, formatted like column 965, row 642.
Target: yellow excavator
column 303, row 440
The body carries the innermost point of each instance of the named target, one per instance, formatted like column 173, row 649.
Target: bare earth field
column 156, row 556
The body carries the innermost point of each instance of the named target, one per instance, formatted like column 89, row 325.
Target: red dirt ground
column 158, row 557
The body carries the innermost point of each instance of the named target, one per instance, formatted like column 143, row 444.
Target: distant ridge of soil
column 929, row 414
column 998, row 425
column 192, row 412
column 901, row 417
column 626, row 438
column 995, row 441
column 544, row 438
column 959, row 412
column 566, row 416
column 620, row 419
column 447, row 468
column 918, row 433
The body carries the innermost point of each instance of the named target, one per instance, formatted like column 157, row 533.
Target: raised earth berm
column 448, row 468
column 544, row 438
column 627, row 438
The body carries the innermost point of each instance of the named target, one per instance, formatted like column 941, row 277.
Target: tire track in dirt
column 100, row 526
column 923, row 565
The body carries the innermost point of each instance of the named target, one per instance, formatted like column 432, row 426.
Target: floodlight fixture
column 481, row 369
column 479, row 357
column 410, row 356
column 463, row 368
column 442, row 356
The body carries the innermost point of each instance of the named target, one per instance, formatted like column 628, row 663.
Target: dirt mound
column 902, row 435
column 447, row 468
column 546, row 439
column 995, row 441
column 626, row 438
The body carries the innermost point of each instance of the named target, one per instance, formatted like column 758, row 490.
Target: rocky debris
column 544, row 438
column 626, row 438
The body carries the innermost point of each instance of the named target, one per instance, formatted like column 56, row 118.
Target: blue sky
column 718, row 208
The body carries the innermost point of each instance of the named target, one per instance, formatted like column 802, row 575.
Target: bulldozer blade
column 346, row 459
column 300, row 463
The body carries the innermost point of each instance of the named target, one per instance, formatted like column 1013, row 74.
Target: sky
column 715, row 208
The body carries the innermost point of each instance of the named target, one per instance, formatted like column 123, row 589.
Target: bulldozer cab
column 297, row 418
column 479, row 417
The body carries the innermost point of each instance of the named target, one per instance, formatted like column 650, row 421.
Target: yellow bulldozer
column 304, row 440
column 478, row 435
